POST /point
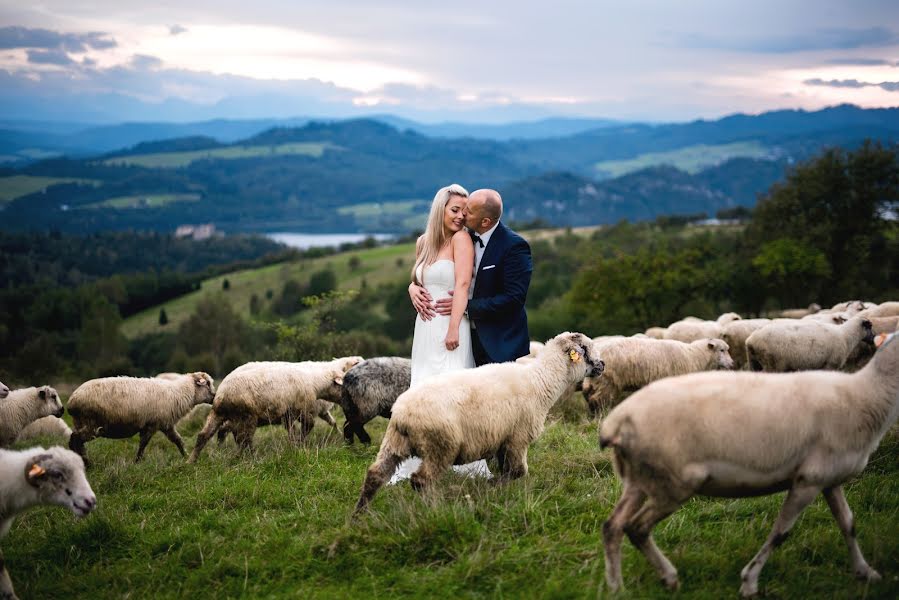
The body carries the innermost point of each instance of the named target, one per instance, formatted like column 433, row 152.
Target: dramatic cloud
column 890, row 86
column 822, row 39
column 22, row 37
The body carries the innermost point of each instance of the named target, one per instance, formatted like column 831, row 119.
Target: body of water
column 304, row 241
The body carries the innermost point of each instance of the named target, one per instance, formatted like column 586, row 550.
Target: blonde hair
column 434, row 236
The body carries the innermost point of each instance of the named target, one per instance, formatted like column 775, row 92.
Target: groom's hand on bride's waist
column 422, row 301
column 444, row 306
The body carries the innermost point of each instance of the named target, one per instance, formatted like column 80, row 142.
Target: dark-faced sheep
column 370, row 389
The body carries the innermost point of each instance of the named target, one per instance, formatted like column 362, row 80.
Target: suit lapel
column 491, row 252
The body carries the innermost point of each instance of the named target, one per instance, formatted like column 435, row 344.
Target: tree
column 226, row 285
column 354, row 263
column 163, row 318
column 215, row 328
column 792, row 270
column 255, row 305
column 322, row 282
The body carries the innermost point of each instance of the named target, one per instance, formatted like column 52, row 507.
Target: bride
column 444, row 260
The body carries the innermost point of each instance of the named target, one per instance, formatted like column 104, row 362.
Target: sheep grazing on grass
column 736, row 333
column 370, row 389
column 120, row 407
column 37, row 476
column 46, row 427
column 691, row 329
column 632, row 363
column 272, row 393
column 24, row 406
column 806, row 345
column 4, row 391
column 464, row 416
column 746, row 434
column 798, row 313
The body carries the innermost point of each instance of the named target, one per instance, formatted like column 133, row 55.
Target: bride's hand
column 452, row 340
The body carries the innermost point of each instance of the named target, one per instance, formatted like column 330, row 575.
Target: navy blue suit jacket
column 500, row 288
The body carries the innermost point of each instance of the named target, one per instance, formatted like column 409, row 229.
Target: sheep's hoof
column 868, row 574
column 671, row 582
column 748, row 590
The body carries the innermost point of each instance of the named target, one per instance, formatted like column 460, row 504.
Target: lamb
column 23, row 406
column 805, row 345
column 120, row 407
column 798, row 313
column 4, row 391
column 493, row 410
column 49, row 426
column 746, row 434
column 37, row 476
column 370, row 389
column 273, row 392
column 735, row 334
column 632, row 363
column 690, row 331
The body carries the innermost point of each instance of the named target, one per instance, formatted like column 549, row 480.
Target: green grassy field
column 144, row 201
column 14, row 186
column 172, row 160
column 274, row 523
column 691, row 159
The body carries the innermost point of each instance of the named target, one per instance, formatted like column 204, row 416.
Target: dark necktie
column 476, row 239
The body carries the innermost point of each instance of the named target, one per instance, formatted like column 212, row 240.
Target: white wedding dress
column 430, row 356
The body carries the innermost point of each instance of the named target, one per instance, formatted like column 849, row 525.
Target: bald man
column 502, row 274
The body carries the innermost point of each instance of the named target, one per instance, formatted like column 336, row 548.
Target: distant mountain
column 525, row 130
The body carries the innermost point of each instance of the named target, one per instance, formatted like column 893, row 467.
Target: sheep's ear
column 711, row 345
column 42, row 394
column 34, row 472
column 576, row 353
column 200, row 380
column 338, row 380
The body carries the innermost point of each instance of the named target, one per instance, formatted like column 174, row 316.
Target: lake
column 304, row 241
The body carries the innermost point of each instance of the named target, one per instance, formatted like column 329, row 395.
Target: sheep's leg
column 362, row 434
column 515, row 462
column 797, row 499
column 328, row 418
column 213, row 424
column 639, row 532
column 843, row 516
column 145, row 435
column 378, row 474
column 287, row 421
column 243, row 434
column 76, row 444
column 613, row 532
column 6, row 590
column 175, row 439
column 428, row 472
column 222, row 434
column 307, row 422
column 348, row 430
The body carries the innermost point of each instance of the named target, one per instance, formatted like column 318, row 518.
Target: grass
column 173, row 160
column 144, row 201
column 16, row 186
column 691, row 159
column 275, row 524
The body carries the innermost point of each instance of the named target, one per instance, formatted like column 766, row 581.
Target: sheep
column 798, row 313
column 45, row 427
column 272, row 392
column 746, row 434
column 632, row 363
column 690, row 331
column 370, row 389
column 851, row 307
column 534, row 348
column 493, row 410
column 321, row 409
column 4, row 391
column 197, row 413
column 37, row 476
column 120, row 407
column 863, row 352
column 833, row 318
column 735, row 334
column 887, row 309
column 805, row 345
column 657, row 333
column 23, row 406
column 168, row 375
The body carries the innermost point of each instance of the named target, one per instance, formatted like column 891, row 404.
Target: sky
column 490, row 61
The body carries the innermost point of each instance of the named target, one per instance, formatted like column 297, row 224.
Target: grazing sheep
column 798, row 313
column 656, row 333
column 273, row 392
column 887, row 309
column 746, row 434
column 370, row 389
column 494, row 410
column 120, row 407
column 49, row 426
column 805, row 345
column 632, row 363
column 37, row 476
column 4, row 391
column 21, row 407
column 690, row 330
column 736, row 333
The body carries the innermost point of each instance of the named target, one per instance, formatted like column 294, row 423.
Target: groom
column 502, row 274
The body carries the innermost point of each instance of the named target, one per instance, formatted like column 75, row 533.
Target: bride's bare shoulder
column 461, row 239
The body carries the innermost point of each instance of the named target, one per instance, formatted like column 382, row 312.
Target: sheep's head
column 4, row 391
column 579, row 348
column 204, row 388
column 335, row 388
column 49, row 400
column 348, row 362
column 868, row 330
column 720, row 351
column 58, row 476
column 728, row 318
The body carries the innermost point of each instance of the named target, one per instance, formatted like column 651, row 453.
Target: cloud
column 861, row 62
column 890, row 86
column 822, row 39
column 177, row 29
column 144, row 62
column 49, row 57
column 22, row 37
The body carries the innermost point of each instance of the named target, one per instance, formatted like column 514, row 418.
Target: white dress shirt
column 479, row 254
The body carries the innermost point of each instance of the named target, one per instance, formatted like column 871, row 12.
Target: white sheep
column 273, row 392
column 632, row 363
column 689, row 330
column 4, row 391
column 534, row 348
column 120, row 407
column 320, row 408
column 887, row 309
column 798, row 313
column 804, row 345
column 37, row 476
column 46, row 427
column 746, row 434
column 464, row 416
column 736, row 333
column 656, row 333
column 23, row 406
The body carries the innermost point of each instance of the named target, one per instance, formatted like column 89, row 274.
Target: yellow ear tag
column 36, row 471
column 575, row 356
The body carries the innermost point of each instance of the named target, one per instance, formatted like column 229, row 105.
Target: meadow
column 691, row 159
column 174, row 160
column 275, row 523
column 15, row 186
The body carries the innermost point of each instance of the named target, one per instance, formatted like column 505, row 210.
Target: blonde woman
column 444, row 261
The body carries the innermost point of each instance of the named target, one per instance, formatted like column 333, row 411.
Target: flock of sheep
column 684, row 431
